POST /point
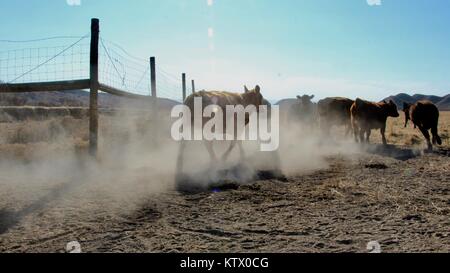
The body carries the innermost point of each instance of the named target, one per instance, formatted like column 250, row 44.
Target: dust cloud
column 44, row 162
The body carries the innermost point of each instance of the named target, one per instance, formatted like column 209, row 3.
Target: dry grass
column 398, row 135
column 20, row 140
column 30, row 139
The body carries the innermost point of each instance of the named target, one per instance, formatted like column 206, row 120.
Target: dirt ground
column 398, row 196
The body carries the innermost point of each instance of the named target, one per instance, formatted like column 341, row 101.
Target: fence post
column 193, row 86
column 183, row 76
column 153, row 75
column 93, row 98
column 154, row 102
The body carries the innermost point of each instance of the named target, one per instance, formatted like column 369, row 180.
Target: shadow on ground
column 9, row 219
column 399, row 153
column 224, row 179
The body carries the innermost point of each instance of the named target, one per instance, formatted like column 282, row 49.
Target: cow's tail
column 436, row 138
column 353, row 123
column 434, row 131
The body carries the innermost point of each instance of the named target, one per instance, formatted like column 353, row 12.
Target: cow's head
column 406, row 107
column 253, row 97
column 305, row 99
column 391, row 109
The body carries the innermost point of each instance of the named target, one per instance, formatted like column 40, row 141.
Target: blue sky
column 322, row 47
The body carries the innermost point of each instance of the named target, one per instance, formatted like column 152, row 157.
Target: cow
column 425, row 116
column 366, row 116
column 334, row 112
column 304, row 111
column 222, row 99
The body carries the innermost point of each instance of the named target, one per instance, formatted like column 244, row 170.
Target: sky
column 353, row 48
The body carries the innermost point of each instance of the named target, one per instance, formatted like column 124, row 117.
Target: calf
column 222, row 99
column 304, row 111
column 366, row 116
column 335, row 111
column 424, row 115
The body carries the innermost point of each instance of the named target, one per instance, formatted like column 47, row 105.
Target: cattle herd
column 361, row 117
column 357, row 116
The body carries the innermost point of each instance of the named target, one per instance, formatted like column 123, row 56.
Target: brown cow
column 222, row 99
column 335, row 111
column 425, row 115
column 371, row 115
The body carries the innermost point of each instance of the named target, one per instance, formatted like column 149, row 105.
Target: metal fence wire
column 40, row 60
column 34, row 61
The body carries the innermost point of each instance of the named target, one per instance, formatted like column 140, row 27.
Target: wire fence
column 39, row 60
column 167, row 83
column 31, row 61
column 39, row 65
column 122, row 72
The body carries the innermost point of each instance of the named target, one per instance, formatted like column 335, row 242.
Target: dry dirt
column 398, row 196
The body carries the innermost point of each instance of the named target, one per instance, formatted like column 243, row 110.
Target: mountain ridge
column 443, row 103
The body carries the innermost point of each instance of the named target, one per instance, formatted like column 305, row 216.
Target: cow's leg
column 209, row 147
column 323, row 126
column 356, row 133
column 348, row 130
column 368, row 132
column 383, row 134
column 361, row 134
column 229, row 150
column 426, row 134
column 241, row 150
column 354, row 127
column 436, row 138
column 325, row 129
column 180, row 158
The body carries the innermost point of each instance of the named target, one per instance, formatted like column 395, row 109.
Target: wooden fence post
column 183, row 76
column 153, row 76
column 94, row 85
column 193, row 86
column 154, row 103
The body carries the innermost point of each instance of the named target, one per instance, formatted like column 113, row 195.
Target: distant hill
column 286, row 102
column 76, row 98
column 443, row 103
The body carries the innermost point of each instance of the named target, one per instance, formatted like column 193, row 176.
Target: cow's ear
column 311, row 97
column 258, row 89
column 246, row 89
column 384, row 101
